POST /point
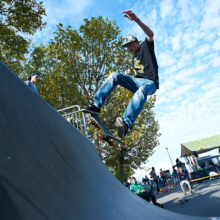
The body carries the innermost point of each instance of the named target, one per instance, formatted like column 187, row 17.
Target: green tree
column 75, row 63
column 56, row 85
column 18, row 17
column 90, row 54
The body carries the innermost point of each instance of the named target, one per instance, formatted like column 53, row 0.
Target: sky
column 187, row 47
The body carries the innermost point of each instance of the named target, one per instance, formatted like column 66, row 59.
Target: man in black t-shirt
column 144, row 83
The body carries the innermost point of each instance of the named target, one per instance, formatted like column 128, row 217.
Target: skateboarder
column 144, row 83
column 183, row 178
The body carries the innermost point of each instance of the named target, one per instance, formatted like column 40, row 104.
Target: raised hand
column 130, row 15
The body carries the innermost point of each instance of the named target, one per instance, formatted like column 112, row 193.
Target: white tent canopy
column 200, row 146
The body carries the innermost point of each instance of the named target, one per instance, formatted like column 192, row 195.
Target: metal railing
column 74, row 115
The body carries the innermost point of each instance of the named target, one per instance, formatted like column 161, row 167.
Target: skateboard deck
column 108, row 136
column 183, row 200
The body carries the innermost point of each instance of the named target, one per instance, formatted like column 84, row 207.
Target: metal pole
column 169, row 156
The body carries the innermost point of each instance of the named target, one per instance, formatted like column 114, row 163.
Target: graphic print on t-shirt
column 138, row 67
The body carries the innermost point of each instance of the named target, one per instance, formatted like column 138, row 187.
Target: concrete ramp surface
column 49, row 170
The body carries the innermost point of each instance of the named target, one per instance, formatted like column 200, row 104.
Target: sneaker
column 91, row 110
column 191, row 192
column 122, row 127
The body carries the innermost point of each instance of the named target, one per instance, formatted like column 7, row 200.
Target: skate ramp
column 49, row 170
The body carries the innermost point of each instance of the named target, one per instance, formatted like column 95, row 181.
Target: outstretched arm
column 132, row 16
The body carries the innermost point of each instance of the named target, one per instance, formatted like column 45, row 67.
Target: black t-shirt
column 144, row 62
column 179, row 164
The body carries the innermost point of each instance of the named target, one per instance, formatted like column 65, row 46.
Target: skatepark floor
column 204, row 202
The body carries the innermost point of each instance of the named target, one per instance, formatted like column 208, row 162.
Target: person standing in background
column 163, row 176
column 32, row 80
column 155, row 178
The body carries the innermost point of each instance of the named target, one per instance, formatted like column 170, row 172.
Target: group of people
column 183, row 176
column 181, row 173
column 139, row 190
column 204, row 165
column 158, row 178
column 147, row 194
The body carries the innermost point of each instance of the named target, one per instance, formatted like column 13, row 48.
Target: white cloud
column 189, row 11
column 216, row 61
column 216, row 45
column 176, row 42
column 211, row 16
column 166, row 88
column 213, row 94
column 184, row 5
column 202, row 50
column 154, row 15
column 182, row 60
column 166, row 7
column 65, row 9
column 165, row 59
column 186, row 74
column 213, row 84
column 181, row 90
column 190, row 119
column 191, row 38
column 67, row 12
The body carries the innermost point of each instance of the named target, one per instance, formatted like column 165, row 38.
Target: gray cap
column 130, row 38
column 33, row 74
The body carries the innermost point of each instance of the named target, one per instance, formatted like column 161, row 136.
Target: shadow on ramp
column 49, row 170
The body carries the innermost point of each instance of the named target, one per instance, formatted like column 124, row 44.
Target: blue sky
column 187, row 45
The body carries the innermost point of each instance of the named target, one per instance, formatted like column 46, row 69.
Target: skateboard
column 107, row 135
column 183, row 200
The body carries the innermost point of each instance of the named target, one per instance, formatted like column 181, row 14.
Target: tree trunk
column 121, row 166
column 121, row 172
column 97, row 145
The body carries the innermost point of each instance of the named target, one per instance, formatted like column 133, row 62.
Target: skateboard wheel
column 100, row 136
column 90, row 122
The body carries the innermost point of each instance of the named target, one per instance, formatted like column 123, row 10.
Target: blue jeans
column 157, row 183
column 139, row 86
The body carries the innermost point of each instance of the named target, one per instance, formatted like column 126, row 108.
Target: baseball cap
column 33, row 74
column 130, row 38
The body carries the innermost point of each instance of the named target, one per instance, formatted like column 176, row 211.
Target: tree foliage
column 18, row 17
column 88, row 55
column 75, row 63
